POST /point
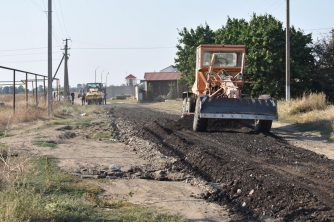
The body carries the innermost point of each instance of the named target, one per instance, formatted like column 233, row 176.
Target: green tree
column 234, row 32
column 172, row 91
column 264, row 38
column 40, row 88
column 301, row 62
column 324, row 67
column 6, row 90
column 189, row 40
column 20, row 89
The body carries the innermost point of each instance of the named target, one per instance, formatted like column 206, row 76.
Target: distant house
column 160, row 82
column 169, row 69
column 131, row 80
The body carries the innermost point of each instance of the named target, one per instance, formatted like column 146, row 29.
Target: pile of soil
column 257, row 175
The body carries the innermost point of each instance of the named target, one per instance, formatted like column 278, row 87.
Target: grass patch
column 101, row 136
column 65, row 110
column 173, row 106
column 4, row 134
column 59, row 122
column 84, row 122
column 43, row 193
column 41, row 142
column 69, row 122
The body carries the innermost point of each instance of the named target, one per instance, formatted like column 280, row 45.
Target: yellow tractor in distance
column 94, row 93
column 217, row 91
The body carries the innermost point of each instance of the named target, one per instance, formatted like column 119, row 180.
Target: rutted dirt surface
column 256, row 175
column 235, row 174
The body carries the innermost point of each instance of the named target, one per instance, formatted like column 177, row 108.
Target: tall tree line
column 9, row 89
column 311, row 64
column 324, row 67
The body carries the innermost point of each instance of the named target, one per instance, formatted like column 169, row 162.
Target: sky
column 111, row 39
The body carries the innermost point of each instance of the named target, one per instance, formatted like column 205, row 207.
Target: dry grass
column 24, row 112
column 311, row 112
column 13, row 165
column 310, row 107
column 127, row 100
column 29, row 112
column 308, row 103
column 35, row 189
column 173, row 106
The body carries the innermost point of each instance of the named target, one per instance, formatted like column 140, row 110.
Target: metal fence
column 36, row 78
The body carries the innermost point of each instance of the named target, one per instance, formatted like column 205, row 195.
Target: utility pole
column 107, row 80
column 101, row 75
column 49, row 58
column 287, row 60
column 66, row 84
column 95, row 73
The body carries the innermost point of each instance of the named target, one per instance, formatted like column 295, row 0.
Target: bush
column 311, row 113
column 308, row 103
column 121, row 97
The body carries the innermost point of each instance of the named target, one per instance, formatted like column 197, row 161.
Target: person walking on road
column 72, row 97
column 105, row 97
column 83, row 98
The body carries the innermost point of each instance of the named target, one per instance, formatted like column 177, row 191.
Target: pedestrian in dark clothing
column 83, row 98
column 105, row 97
column 72, row 96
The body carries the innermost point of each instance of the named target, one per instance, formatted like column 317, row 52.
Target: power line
column 268, row 7
column 37, row 5
column 261, row 4
column 88, row 43
column 28, row 54
column 153, row 47
column 317, row 29
column 277, row 5
column 113, row 47
column 9, row 50
column 55, row 36
column 321, row 33
column 53, row 30
column 29, row 61
column 62, row 15
column 55, row 7
column 44, row 6
column 132, row 48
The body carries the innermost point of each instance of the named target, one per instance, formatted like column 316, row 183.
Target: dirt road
column 257, row 174
column 228, row 173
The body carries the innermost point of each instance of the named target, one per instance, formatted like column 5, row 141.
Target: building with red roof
column 161, row 82
column 131, row 80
